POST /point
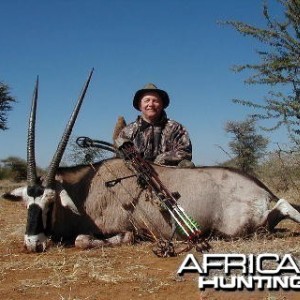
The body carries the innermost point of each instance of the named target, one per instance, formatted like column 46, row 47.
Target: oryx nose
column 35, row 243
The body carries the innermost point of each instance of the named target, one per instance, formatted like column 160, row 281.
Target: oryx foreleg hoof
column 84, row 241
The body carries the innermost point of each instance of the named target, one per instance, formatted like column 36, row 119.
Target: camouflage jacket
column 167, row 142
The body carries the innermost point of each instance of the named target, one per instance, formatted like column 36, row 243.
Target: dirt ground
column 126, row 272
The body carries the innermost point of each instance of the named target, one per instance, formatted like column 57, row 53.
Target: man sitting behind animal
column 154, row 135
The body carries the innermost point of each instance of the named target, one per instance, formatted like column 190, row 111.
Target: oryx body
column 221, row 200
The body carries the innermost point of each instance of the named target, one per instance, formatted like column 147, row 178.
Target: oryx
column 75, row 203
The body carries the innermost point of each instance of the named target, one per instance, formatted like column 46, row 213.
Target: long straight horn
column 31, row 165
column 49, row 180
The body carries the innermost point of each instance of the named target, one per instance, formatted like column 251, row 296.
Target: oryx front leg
column 84, row 241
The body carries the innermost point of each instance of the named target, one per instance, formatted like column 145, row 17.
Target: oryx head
column 38, row 195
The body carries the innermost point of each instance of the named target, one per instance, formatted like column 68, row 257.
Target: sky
column 179, row 45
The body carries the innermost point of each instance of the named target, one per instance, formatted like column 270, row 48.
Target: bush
column 4, row 173
column 281, row 170
column 14, row 168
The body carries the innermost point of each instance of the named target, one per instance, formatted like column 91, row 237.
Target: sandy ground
column 126, row 272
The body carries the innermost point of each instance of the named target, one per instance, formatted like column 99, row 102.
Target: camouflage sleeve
column 125, row 135
column 181, row 147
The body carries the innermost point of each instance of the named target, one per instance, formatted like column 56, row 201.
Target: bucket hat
column 150, row 87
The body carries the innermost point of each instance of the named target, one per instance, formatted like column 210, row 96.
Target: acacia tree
column 246, row 145
column 278, row 66
column 5, row 104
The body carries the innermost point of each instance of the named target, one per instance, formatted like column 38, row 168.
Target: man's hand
column 122, row 142
column 159, row 160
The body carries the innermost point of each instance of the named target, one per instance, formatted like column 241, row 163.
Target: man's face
column 151, row 106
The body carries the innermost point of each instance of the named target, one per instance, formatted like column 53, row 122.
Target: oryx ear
column 66, row 201
column 17, row 194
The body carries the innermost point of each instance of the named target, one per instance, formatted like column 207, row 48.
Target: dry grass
column 7, row 185
column 127, row 272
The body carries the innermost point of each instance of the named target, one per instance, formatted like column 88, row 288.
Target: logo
column 232, row 272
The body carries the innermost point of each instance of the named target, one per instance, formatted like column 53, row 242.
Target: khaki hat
column 150, row 87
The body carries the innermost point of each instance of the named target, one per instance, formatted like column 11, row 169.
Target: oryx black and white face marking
column 38, row 195
column 40, row 203
column 37, row 200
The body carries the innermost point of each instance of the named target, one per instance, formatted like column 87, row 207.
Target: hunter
column 157, row 138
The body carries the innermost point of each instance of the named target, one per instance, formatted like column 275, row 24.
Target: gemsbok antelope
column 75, row 204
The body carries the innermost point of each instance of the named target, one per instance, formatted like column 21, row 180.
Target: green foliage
column 279, row 65
column 14, row 168
column 246, row 145
column 4, row 173
column 5, row 104
column 281, row 171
